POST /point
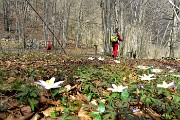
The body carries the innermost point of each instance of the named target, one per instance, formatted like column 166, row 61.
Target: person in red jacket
column 115, row 44
column 49, row 46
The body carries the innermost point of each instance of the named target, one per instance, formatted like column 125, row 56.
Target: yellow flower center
column 119, row 88
column 144, row 67
column 49, row 82
column 165, row 84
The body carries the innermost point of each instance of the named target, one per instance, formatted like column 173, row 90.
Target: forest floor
column 84, row 93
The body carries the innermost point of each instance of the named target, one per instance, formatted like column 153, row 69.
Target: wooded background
column 150, row 28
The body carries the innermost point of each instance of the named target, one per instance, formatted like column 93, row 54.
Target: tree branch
column 170, row 1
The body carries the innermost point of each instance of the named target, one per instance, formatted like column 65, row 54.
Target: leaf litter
column 85, row 82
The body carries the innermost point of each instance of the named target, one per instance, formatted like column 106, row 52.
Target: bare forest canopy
column 150, row 28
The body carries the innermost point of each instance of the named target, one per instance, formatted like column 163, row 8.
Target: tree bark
column 6, row 10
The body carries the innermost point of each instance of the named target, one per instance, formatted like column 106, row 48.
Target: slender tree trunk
column 6, row 9
column 79, row 25
column 174, row 32
column 53, row 21
column 45, row 29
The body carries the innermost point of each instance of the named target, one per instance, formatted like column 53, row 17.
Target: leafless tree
column 6, row 10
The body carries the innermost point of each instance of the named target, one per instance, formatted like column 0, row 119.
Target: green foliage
column 89, row 97
column 55, row 92
column 95, row 115
column 32, row 103
column 125, row 95
column 17, row 84
column 1, row 72
column 41, row 71
column 67, row 114
column 31, row 74
column 1, row 75
column 110, row 113
column 54, row 114
column 101, row 107
column 98, row 115
column 28, row 94
column 176, row 98
column 63, row 101
column 94, row 81
column 178, row 87
column 67, row 117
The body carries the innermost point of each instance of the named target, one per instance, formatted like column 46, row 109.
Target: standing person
column 115, row 38
column 49, row 46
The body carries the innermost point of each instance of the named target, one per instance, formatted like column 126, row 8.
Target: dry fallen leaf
column 68, row 87
column 94, row 102
column 153, row 114
column 26, row 117
column 36, row 117
column 11, row 79
column 81, row 97
column 71, row 97
column 10, row 117
column 26, row 110
column 8, row 63
column 48, row 101
column 48, row 111
column 83, row 115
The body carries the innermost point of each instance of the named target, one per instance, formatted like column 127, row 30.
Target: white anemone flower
column 172, row 70
column 48, row 84
column 176, row 75
column 142, row 67
column 117, row 88
column 147, row 77
column 116, row 61
column 135, row 110
column 166, row 85
column 91, row 58
column 100, row 58
column 156, row 70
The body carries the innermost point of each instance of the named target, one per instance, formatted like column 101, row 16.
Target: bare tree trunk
column 120, row 13
column 66, row 14
column 53, row 20
column 24, row 17
column 6, row 15
column 106, row 25
column 174, row 32
column 79, row 25
column 45, row 29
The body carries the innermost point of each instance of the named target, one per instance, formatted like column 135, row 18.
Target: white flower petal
column 116, row 61
column 117, row 88
column 156, row 70
column 171, row 84
column 165, row 85
column 114, row 86
column 147, row 77
column 143, row 67
column 42, row 83
column 151, row 75
column 172, row 70
column 91, row 58
column 57, row 83
column 52, row 79
column 110, row 89
column 176, row 75
column 48, row 84
column 55, row 86
column 101, row 58
column 160, row 86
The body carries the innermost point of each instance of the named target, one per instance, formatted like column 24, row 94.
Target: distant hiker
column 49, row 46
column 115, row 38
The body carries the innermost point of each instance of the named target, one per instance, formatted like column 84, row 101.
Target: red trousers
column 115, row 49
